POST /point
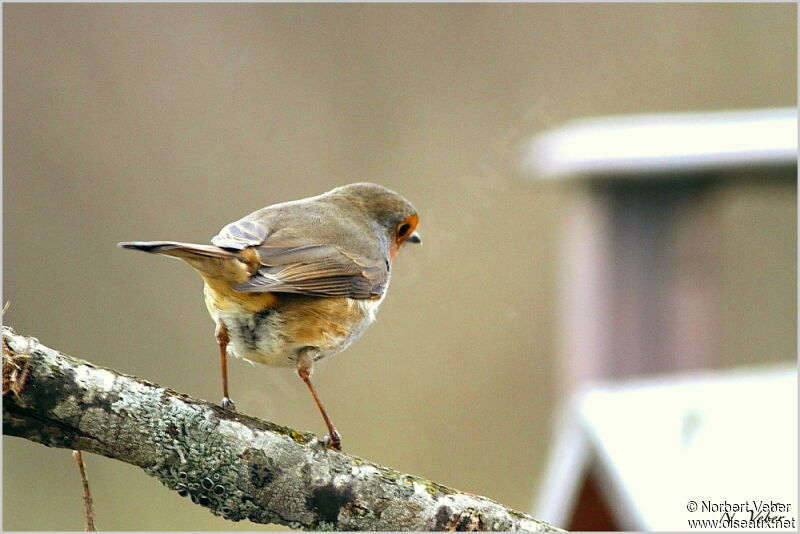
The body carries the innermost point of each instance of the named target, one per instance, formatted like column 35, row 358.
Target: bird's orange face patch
column 403, row 231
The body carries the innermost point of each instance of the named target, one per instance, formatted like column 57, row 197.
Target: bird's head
column 394, row 216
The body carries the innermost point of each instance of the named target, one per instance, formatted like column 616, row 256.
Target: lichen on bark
column 237, row 466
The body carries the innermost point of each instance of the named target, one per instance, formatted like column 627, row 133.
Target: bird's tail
column 178, row 250
column 209, row 260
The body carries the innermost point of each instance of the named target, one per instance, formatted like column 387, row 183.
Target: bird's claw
column 333, row 441
column 228, row 404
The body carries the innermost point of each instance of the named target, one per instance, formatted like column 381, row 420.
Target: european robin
column 296, row 282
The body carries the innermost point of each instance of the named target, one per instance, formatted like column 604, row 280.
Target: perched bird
column 296, row 282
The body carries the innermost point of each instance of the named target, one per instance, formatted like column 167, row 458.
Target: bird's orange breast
column 316, row 321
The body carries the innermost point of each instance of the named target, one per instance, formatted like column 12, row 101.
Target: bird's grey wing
column 318, row 270
column 292, row 264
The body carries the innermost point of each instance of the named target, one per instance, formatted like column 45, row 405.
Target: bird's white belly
column 256, row 336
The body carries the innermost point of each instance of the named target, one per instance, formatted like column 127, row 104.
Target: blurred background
column 137, row 122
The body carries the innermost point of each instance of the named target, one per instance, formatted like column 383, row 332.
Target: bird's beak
column 414, row 238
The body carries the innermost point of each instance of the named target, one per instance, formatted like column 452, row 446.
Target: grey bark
column 237, row 466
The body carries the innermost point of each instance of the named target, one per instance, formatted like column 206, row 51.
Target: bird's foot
column 228, row 404
column 332, row 441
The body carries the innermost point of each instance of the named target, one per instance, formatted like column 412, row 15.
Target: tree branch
column 237, row 466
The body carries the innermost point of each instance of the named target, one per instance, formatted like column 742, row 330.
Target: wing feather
column 291, row 264
column 241, row 234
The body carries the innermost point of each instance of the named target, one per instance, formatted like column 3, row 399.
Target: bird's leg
column 221, row 333
column 305, row 366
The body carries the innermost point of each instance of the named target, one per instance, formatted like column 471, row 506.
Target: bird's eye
column 403, row 230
